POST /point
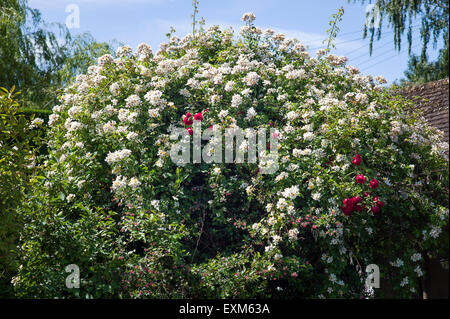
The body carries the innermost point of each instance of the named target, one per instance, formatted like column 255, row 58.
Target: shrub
column 18, row 137
column 360, row 178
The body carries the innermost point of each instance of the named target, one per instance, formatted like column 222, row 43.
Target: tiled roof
column 432, row 99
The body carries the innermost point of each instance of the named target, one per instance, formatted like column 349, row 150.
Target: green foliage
column 422, row 71
column 30, row 54
column 334, row 28
column 434, row 17
column 37, row 57
column 17, row 142
column 84, row 236
column 81, row 53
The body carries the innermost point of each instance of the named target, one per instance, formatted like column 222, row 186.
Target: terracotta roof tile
column 432, row 99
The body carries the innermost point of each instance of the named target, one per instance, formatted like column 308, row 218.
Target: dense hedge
column 359, row 178
column 19, row 135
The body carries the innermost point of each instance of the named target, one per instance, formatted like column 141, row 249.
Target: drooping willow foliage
column 402, row 16
column 38, row 58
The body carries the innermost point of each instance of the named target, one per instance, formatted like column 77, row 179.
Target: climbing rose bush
column 361, row 178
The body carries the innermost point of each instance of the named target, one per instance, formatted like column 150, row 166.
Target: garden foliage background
column 361, row 178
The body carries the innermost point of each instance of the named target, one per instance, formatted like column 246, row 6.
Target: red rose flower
column 187, row 120
column 357, row 199
column 198, row 117
column 348, row 202
column 357, row 160
column 375, row 209
column 380, row 203
column 347, row 209
column 366, row 194
column 374, row 183
column 190, row 131
column 360, row 179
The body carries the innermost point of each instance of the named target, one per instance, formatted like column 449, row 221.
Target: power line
column 361, row 38
column 324, row 46
column 375, row 57
column 365, row 54
column 366, row 45
column 384, row 60
column 363, row 46
column 347, row 33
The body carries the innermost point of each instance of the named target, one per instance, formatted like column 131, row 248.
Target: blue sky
column 135, row 21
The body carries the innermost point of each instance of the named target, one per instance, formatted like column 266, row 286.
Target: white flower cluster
column 117, row 156
column 291, row 192
column 248, row 17
column 36, row 122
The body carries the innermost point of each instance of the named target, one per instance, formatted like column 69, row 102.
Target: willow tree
column 38, row 58
column 402, row 17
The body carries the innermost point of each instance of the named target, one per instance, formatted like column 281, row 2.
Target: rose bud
column 190, row 131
